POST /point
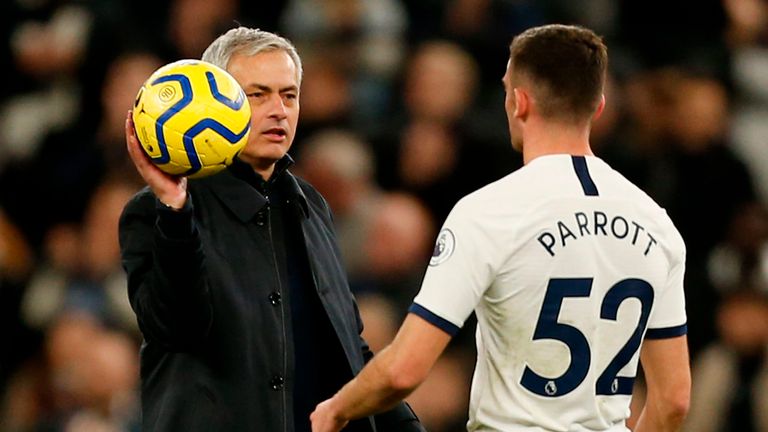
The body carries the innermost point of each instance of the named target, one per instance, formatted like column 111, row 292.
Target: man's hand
column 324, row 419
column 170, row 190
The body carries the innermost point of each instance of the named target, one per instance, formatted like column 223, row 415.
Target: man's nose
column 277, row 107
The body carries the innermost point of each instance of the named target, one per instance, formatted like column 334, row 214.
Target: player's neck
column 550, row 139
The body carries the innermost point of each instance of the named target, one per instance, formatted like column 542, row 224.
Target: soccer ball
column 192, row 118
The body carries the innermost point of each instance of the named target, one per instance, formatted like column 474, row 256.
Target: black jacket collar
column 241, row 189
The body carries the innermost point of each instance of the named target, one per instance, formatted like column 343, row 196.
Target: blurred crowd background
column 401, row 115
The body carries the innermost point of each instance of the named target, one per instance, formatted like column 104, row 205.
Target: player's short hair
column 566, row 66
column 249, row 41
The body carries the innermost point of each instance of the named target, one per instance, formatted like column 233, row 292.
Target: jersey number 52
column 547, row 327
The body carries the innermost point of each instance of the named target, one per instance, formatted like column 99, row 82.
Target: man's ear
column 600, row 108
column 522, row 103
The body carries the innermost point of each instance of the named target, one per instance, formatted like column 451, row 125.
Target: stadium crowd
column 401, row 115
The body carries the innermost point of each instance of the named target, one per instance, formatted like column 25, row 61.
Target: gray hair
column 249, row 41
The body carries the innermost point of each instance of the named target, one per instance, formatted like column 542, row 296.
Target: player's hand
column 170, row 190
column 325, row 420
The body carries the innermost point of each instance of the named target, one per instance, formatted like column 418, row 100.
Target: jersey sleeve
column 460, row 271
column 668, row 318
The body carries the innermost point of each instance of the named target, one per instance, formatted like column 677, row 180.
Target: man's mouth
column 275, row 133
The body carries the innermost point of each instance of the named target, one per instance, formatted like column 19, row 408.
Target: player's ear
column 522, row 103
column 600, row 108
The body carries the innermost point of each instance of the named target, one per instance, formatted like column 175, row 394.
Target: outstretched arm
column 668, row 377
column 387, row 379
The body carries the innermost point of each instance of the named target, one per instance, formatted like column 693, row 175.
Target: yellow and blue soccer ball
column 192, row 118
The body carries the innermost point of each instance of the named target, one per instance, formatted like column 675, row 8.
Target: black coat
column 217, row 352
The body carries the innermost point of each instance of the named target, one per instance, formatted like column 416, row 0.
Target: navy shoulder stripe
column 582, row 172
column 434, row 319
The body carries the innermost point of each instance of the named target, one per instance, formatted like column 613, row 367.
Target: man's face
column 510, row 106
column 271, row 84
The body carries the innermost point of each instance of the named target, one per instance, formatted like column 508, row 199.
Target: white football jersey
column 568, row 267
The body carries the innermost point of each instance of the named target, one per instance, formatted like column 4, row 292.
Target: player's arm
column 387, row 379
column 668, row 378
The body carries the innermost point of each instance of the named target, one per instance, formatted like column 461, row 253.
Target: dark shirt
column 317, row 351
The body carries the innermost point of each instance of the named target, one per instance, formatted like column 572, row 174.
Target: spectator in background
column 705, row 170
column 124, row 77
column 731, row 374
column 676, row 40
column 441, row 81
column 481, row 27
column 398, row 243
column 59, row 51
column 384, row 237
column 48, row 46
column 362, row 38
column 83, row 271
column 77, row 262
column 86, row 382
column 431, row 148
column 79, row 275
column 340, row 165
column 380, row 317
column 741, row 259
column 327, row 99
column 71, row 163
column 643, row 141
column 747, row 37
column 192, row 24
column 706, row 167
